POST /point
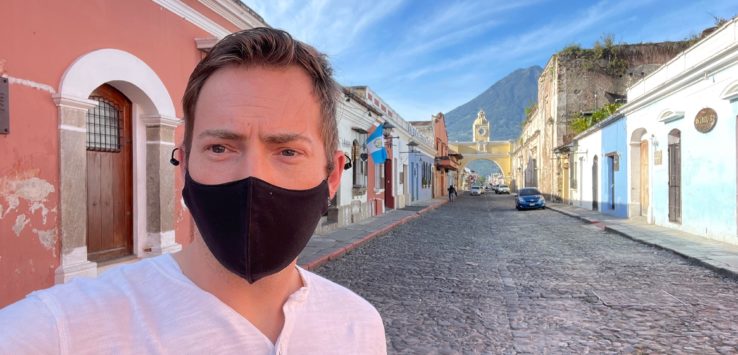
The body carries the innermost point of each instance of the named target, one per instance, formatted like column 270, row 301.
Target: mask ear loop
column 348, row 164
column 173, row 160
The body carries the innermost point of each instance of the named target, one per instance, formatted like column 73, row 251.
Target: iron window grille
column 104, row 127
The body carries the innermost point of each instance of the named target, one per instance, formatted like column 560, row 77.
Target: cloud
column 542, row 38
column 333, row 26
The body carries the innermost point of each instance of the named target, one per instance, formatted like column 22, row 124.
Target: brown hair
column 268, row 47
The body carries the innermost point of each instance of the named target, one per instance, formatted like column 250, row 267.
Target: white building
column 681, row 127
column 350, row 205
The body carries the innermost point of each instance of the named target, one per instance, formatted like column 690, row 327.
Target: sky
column 424, row 56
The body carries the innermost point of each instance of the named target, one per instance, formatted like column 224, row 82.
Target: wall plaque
column 657, row 157
column 4, row 107
column 705, row 120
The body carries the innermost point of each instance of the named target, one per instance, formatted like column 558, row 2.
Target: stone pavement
column 326, row 247
column 716, row 255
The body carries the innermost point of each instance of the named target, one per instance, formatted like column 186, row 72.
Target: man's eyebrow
column 222, row 134
column 284, row 138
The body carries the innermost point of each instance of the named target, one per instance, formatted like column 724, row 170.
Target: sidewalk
column 326, row 247
column 719, row 256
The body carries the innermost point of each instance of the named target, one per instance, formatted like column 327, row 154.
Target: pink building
column 90, row 94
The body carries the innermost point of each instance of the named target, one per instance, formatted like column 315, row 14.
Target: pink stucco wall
column 40, row 40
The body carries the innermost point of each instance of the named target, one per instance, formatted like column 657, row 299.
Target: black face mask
column 253, row 228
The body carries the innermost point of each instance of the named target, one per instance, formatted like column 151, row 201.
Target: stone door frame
column 154, row 123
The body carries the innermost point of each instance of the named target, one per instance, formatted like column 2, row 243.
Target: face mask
column 253, row 228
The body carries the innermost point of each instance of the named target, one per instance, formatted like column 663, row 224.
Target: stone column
column 72, row 188
column 160, row 187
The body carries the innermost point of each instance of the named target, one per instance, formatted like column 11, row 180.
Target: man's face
column 262, row 122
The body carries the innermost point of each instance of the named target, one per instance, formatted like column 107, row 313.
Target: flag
column 375, row 144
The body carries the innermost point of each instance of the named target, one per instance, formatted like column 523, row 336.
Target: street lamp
column 388, row 127
column 412, row 146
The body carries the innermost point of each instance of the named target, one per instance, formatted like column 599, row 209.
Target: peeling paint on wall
column 33, row 190
column 26, row 191
column 44, row 210
column 20, row 223
column 47, row 238
column 30, row 84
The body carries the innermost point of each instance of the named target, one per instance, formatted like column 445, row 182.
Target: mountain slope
column 504, row 103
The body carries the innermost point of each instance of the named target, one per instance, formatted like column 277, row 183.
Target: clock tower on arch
column 481, row 128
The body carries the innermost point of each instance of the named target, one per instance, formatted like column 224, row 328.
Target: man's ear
column 334, row 179
column 182, row 158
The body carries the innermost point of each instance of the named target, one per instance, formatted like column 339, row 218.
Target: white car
column 503, row 189
column 476, row 190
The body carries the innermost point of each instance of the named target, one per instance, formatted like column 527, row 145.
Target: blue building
column 421, row 176
column 601, row 180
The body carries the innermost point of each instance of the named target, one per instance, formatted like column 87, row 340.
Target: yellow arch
column 498, row 152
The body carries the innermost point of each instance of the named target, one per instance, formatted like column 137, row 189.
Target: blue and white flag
column 375, row 144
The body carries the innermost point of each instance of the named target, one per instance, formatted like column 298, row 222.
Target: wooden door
column 594, row 184
column 389, row 198
column 675, row 176
column 109, row 180
column 644, row 178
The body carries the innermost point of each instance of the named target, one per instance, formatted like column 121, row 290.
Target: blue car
column 529, row 198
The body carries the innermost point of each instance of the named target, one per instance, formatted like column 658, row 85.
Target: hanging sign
column 705, row 120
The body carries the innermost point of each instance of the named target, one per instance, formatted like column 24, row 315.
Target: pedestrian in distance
column 260, row 164
column 452, row 193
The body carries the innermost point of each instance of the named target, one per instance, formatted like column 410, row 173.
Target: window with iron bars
column 103, row 126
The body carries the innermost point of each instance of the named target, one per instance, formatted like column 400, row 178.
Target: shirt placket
column 290, row 310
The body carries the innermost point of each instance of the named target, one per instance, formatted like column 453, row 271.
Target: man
column 260, row 164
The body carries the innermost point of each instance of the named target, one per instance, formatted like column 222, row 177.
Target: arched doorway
column 594, row 184
column 675, row 176
column 152, row 123
column 109, row 178
column 639, row 191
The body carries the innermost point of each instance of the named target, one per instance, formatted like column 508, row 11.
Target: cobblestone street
column 477, row 276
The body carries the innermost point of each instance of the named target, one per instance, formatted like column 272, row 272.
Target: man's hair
column 271, row 48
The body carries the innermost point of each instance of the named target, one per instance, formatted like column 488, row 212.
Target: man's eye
column 217, row 148
column 288, row 152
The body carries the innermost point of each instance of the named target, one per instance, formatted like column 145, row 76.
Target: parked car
column 529, row 198
column 476, row 190
column 503, row 189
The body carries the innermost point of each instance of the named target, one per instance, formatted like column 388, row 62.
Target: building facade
column 90, row 129
column 576, row 82
column 351, row 203
column 669, row 156
column 599, row 171
column 681, row 124
column 527, row 153
column 422, row 155
column 446, row 161
column 402, row 177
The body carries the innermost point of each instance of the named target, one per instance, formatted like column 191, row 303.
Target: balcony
column 447, row 162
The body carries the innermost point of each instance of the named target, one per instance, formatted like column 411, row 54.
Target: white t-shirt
column 151, row 307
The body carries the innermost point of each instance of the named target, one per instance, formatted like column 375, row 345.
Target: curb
column 358, row 243
column 694, row 260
